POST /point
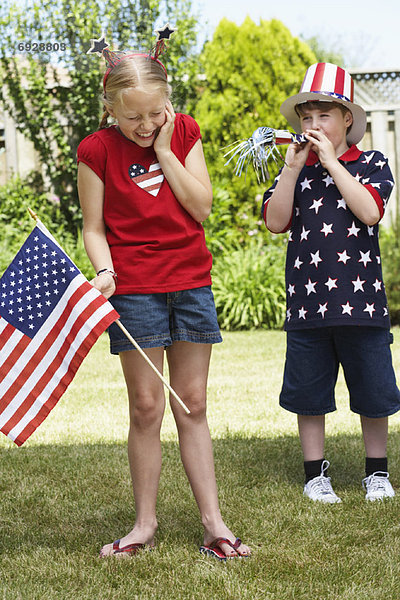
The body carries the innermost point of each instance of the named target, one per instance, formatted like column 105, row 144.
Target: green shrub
column 390, row 254
column 249, row 285
column 16, row 223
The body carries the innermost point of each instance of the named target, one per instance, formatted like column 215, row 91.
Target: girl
column 144, row 190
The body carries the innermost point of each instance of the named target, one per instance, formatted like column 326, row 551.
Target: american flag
column 50, row 317
column 148, row 180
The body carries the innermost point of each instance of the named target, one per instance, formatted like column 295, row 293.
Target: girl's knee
column 147, row 412
column 195, row 403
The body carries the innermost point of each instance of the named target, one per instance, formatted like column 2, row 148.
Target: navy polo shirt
column 333, row 265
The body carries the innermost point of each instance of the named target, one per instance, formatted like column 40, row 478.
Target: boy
column 331, row 196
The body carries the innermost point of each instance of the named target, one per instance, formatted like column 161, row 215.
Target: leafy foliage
column 16, row 223
column 390, row 253
column 54, row 96
column 249, row 71
column 249, row 286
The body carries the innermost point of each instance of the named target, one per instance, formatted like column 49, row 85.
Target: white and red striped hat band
column 323, row 81
column 325, row 78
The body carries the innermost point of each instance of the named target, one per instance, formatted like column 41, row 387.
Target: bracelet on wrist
column 110, row 272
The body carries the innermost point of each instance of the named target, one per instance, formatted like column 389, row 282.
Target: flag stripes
column 35, row 371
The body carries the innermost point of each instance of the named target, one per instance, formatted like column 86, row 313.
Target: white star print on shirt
column 298, row 263
column 347, row 308
column 328, row 180
column 310, row 287
column 326, row 229
column 365, row 257
column 377, row 285
column 291, row 290
column 304, row 234
column 380, row 164
column 322, row 309
column 369, row 308
column 316, row 205
column 302, row 313
column 343, row 257
column 341, row 203
column 367, row 158
column 331, row 283
column 353, row 230
column 358, row 284
column 315, row 259
column 305, row 184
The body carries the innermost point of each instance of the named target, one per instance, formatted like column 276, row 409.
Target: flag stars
column 291, row 290
column 380, row 164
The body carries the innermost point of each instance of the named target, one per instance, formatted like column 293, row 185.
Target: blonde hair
column 134, row 71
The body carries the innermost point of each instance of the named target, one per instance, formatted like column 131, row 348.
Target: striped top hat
column 327, row 83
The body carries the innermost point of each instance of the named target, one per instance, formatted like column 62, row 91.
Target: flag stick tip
column 33, row 214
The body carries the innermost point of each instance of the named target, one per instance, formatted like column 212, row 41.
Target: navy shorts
column 155, row 320
column 312, row 363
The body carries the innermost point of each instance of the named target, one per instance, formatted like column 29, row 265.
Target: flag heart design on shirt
column 148, row 180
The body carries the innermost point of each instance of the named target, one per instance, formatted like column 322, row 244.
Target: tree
column 52, row 88
column 249, row 71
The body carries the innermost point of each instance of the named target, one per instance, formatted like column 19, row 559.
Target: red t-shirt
column 156, row 246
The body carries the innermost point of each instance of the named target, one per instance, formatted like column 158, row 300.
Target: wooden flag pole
column 147, row 359
column 138, row 348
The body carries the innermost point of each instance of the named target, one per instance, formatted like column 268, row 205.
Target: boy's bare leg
column 375, row 434
column 312, row 436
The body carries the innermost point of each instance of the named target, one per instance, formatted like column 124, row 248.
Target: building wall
column 17, row 153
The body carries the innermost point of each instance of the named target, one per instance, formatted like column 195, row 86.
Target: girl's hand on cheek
column 163, row 140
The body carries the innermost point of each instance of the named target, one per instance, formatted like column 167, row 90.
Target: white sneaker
column 378, row 486
column 320, row 488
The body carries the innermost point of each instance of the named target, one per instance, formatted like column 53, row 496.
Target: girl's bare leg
column 188, row 365
column 146, row 408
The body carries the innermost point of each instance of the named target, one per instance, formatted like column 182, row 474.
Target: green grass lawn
column 67, row 491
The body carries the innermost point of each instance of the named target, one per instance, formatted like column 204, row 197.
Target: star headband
column 114, row 57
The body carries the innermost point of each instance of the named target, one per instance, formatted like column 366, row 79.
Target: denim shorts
column 312, row 363
column 155, row 320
